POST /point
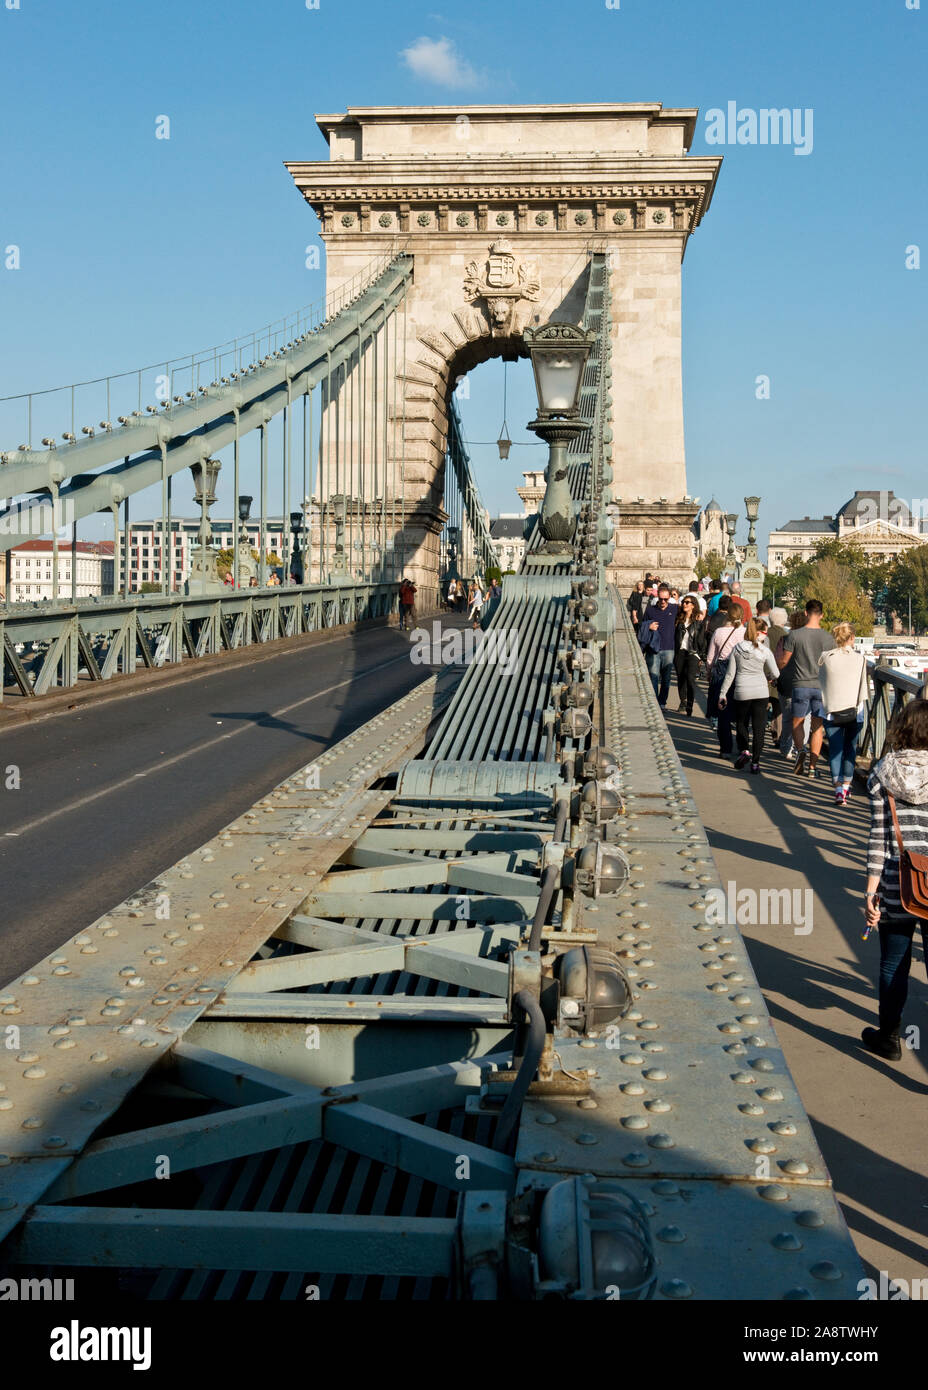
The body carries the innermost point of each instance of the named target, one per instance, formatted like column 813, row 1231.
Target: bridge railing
column 891, row 690
column 30, row 413
column 48, row 649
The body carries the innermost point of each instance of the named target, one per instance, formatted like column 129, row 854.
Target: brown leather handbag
column 913, row 873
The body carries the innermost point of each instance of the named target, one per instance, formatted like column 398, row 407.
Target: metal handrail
column 890, row 690
column 277, row 333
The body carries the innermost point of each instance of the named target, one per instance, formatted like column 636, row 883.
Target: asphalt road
column 112, row 794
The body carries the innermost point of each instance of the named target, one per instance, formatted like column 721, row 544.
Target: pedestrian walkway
column 777, row 831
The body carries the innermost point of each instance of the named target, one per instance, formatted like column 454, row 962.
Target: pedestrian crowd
column 808, row 686
column 476, row 598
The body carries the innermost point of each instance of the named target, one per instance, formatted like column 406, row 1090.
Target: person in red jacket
column 407, row 604
column 736, row 598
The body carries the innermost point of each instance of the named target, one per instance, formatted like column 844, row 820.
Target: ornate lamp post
column 454, row 536
column 339, row 573
column 559, row 352
column 246, row 563
column 204, row 577
column 731, row 521
column 296, row 557
column 751, row 571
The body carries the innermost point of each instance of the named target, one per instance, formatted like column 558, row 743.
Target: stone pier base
column 655, row 536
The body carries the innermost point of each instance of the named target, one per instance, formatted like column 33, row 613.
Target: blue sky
column 133, row 248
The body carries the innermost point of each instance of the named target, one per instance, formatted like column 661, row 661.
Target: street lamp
column 339, row 573
column 204, row 577
column 751, row 507
column 731, row 521
column 246, row 564
column 454, row 536
column 559, row 352
column 296, row 559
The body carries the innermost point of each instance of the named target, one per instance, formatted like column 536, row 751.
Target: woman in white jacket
column 843, row 676
column 751, row 666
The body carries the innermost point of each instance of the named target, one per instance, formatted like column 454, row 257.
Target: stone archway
column 500, row 208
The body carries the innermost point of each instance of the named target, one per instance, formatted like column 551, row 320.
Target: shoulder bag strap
column 892, row 806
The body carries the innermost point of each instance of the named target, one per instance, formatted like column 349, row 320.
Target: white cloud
column 438, row 61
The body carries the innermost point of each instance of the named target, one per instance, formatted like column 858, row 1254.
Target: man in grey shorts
column 803, row 647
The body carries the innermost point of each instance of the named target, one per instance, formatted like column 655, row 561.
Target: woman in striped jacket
column 902, row 773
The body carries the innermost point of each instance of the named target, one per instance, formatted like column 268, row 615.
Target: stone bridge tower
column 500, row 207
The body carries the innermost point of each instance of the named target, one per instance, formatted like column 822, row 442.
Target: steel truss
column 443, row 1016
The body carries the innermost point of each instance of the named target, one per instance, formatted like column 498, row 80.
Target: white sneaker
column 791, row 755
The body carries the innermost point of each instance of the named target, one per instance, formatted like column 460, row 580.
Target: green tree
column 492, row 572
column 908, row 579
column 224, row 560
column 842, row 598
column 150, row 586
column 711, row 564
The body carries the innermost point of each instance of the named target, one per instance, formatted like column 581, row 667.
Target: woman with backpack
column 843, row 677
column 750, row 666
column 721, row 645
column 898, row 788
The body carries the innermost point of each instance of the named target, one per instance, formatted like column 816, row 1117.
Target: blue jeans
column 842, row 750
column 895, row 960
column 660, row 666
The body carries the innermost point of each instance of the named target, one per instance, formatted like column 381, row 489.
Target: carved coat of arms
column 502, row 282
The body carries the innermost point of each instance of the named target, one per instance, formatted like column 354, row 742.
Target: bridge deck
column 775, row 831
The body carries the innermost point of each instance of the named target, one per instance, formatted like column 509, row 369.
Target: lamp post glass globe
column 731, row 522
column 559, row 352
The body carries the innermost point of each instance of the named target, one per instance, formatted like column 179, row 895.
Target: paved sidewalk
column 775, row 831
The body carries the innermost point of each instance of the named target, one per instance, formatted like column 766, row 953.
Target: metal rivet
column 772, row 1193
column 796, row 1167
column 810, row 1219
column 676, row 1288
column 661, row 1141
column 634, row 1122
column 826, row 1270
column 762, row 1146
column 671, row 1235
column 546, row 1118
column 786, row 1240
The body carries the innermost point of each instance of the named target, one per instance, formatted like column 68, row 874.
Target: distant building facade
column 881, row 524
column 533, row 491
column 145, row 547
column 30, row 571
column 709, row 530
column 508, row 541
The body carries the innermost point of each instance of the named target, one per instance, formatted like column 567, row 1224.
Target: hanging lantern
column 504, row 443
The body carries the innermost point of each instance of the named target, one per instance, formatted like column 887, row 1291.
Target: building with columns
column 881, row 524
